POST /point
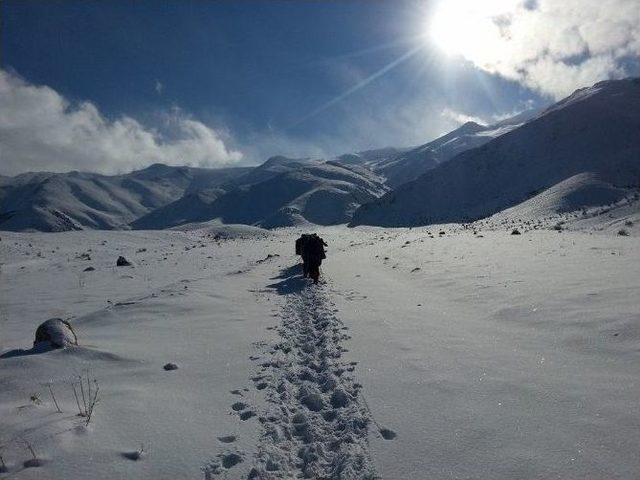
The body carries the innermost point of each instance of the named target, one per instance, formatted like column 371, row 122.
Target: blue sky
column 267, row 77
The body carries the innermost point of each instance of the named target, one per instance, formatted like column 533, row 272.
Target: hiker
column 311, row 248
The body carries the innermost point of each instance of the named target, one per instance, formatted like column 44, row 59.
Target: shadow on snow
column 291, row 280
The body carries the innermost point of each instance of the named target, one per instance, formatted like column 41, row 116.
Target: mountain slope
column 322, row 193
column 595, row 130
column 76, row 200
column 409, row 165
column 274, row 166
column 192, row 207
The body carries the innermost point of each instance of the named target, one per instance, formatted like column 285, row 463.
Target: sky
column 115, row 86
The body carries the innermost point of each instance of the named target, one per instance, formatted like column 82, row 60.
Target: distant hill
column 76, row 200
column 596, row 130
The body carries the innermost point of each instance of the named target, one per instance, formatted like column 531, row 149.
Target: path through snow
column 317, row 422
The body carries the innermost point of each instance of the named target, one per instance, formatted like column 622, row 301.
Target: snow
column 467, row 354
column 457, row 350
column 322, row 193
column 77, row 200
column 592, row 132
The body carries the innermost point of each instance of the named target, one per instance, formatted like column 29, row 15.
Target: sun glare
column 468, row 28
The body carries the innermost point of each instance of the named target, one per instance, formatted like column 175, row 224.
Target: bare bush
column 89, row 389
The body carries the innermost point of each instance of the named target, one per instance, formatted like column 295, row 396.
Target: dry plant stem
column 33, row 453
column 54, row 399
column 88, row 387
column 93, row 403
column 75, row 394
column 84, row 401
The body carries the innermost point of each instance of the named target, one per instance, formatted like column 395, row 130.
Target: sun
column 466, row 28
column 444, row 29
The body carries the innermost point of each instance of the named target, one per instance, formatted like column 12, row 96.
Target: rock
column 123, row 262
column 89, row 269
column 57, row 332
column 170, row 366
column 515, row 231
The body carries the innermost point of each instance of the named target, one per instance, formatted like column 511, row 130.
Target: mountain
column 272, row 167
column 280, row 192
column 370, row 159
column 77, row 200
column 196, row 206
column 595, row 131
column 312, row 192
column 191, row 207
column 417, row 161
column 579, row 192
column 402, row 165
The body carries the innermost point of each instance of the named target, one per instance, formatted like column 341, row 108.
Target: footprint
column 388, row 434
column 228, row 439
column 231, row 460
column 244, row 416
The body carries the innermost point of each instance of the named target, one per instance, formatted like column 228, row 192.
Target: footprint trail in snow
column 316, row 423
column 316, row 426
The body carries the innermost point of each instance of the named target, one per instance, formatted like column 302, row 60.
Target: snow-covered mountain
column 324, row 194
column 596, row 130
column 402, row 165
column 371, row 159
column 281, row 191
column 274, row 166
column 76, row 200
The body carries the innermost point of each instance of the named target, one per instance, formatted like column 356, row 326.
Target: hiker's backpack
column 300, row 243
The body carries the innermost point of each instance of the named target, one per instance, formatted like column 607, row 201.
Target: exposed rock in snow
column 122, row 262
column 56, row 332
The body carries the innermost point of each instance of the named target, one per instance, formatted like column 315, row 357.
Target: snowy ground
column 454, row 356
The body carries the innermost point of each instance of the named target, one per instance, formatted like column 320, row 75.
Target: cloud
column 551, row 46
column 159, row 87
column 41, row 130
column 460, row 117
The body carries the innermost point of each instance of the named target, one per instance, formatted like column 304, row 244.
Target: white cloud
column 41, row 130
column 159, row 87
column 460, row 117
column 552, row 46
